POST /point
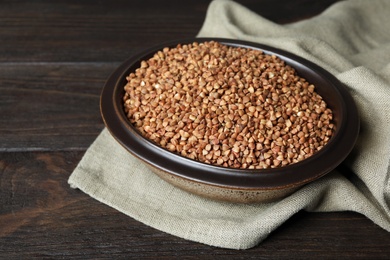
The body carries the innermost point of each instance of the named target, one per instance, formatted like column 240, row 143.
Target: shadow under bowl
column 228, row 184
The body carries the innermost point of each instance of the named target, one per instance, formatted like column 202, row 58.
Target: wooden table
column 54, row 59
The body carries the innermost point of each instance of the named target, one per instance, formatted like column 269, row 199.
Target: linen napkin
column 350, row 39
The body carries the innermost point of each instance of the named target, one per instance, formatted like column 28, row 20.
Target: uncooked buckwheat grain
column 228, row 106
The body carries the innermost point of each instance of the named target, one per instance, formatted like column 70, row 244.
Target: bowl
column 230, row 184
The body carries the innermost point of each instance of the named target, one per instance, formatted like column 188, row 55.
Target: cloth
column 350, row 39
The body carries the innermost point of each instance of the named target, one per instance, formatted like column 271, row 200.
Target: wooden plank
column 91, row 30
column 106, row 30
column 42, row 217
column 50, row 106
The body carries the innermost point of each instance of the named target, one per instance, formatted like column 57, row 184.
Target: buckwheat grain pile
column 227, row 106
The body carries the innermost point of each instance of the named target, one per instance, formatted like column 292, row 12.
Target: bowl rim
column 314, row 167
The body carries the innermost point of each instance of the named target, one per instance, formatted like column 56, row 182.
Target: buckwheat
column 228, row 106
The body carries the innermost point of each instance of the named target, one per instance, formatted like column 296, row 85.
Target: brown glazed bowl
column 227, row 184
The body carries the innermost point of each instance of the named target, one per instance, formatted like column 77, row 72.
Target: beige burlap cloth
column 351, row 39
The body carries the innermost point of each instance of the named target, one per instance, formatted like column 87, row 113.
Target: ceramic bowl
column 228, row 184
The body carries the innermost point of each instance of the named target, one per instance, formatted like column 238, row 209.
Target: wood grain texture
column 54, row 59
column 105, row 30
column 51, row 106
column 41, row 217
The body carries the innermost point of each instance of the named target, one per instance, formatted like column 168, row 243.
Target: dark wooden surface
column 54, row 59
